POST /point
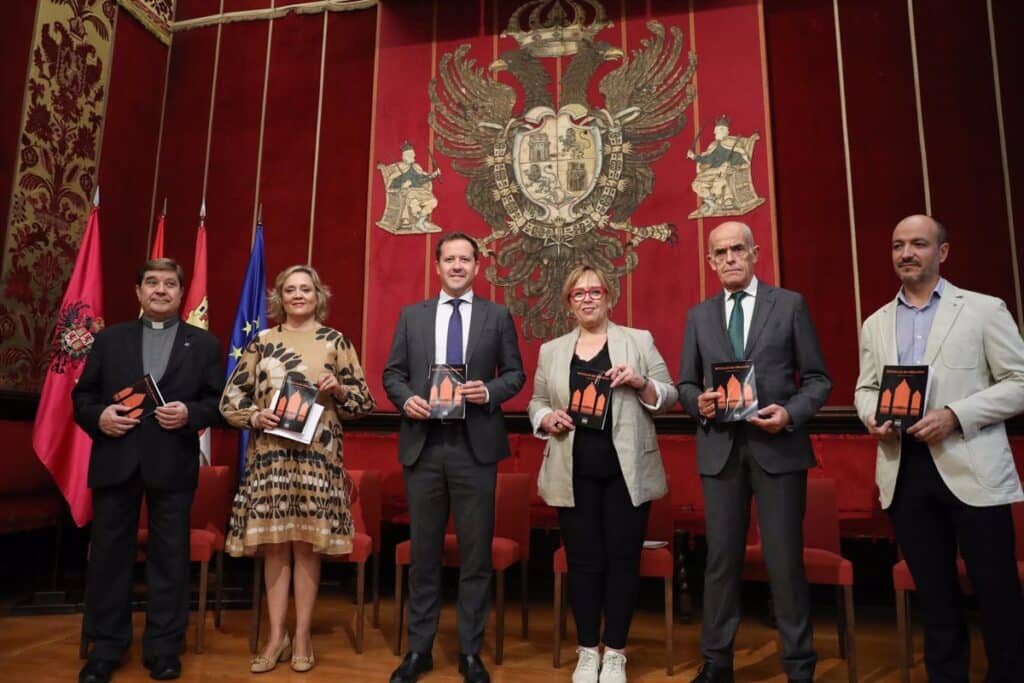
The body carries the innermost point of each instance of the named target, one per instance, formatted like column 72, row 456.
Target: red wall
column 128, row 160
column 834, row 261
column 961, row 141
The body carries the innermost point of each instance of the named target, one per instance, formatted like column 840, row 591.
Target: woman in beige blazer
column 601, row 477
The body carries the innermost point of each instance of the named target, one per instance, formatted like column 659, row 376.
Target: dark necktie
column 453, row 354
column 736, row 324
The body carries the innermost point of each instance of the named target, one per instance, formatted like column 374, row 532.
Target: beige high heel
column 303, row 664
column 261, row 664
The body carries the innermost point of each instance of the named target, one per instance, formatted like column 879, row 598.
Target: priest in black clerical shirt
column 156, row 455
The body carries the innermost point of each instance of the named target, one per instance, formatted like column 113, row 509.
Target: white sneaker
column 613, row 667
column 587, row 665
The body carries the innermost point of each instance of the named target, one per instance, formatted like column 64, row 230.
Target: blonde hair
column 578, row 272
column 275, row 296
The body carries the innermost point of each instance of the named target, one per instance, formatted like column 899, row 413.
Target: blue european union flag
column 250, row 318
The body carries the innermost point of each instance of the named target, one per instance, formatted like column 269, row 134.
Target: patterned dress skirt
column 291, row 492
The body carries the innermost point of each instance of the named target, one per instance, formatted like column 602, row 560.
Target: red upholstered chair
column 654, row 563
column 529, row 454
column 365, row 544
column 822, row 561
column 208, row 521
column 370, row 451
column 511, row 544
column 903, row 582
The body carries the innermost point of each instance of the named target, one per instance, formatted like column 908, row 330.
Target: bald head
column 730, row 230
column 923, row 221
column 732, row 253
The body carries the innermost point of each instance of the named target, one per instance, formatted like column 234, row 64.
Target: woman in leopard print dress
column 293, row 500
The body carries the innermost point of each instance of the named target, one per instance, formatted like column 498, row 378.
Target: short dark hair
column 163, row 264
column 942, row 236
column 453, row 236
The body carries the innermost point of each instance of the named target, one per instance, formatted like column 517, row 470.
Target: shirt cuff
column 661, row 396
column 538, row 417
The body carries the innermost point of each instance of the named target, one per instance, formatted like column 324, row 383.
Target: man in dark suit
column 155, row 455
column 766, row 457
column 452, row 463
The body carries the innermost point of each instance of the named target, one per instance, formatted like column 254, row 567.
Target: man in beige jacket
column 948, row 481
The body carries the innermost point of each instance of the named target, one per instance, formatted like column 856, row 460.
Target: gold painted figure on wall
column 723, row 183
column 410, row 195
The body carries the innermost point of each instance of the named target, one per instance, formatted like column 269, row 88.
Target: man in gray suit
column 766, row 457
column 452, row 464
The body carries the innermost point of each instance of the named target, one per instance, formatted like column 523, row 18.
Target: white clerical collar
column 159, row 325
column 445, row 297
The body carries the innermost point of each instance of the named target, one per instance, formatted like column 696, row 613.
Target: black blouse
column 593, row 452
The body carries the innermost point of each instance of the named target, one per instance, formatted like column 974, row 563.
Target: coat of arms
column 557, row 181
column 73, row 336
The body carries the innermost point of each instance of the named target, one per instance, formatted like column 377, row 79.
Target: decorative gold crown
column 555, row 28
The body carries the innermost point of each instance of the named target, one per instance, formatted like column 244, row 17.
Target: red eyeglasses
column 580, row 293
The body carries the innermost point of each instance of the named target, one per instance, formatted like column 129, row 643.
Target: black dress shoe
column 163, row 667
column 709, row 673
column 412, row 667
column 98, row 671
column 472, row 669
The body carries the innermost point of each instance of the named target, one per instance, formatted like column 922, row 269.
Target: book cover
column 293, row 402
column 737, row 390
column 143, row 397
column 446, row 399
column 902, row 394
column 590, row 394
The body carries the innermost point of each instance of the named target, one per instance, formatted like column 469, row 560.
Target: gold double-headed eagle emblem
column 557, row 180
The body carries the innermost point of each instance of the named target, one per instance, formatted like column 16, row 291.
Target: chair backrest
column 512, row 509
column 366, row 504
column 821, row 520
column 660, row 522
column 211, row 506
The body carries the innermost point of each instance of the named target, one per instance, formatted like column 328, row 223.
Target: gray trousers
column 781, row 501
column 446, row 476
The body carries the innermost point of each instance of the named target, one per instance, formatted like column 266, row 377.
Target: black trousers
column 781, row 502
column 108, row 615
column 446, row 476
column 930, row 523
column 604, row 537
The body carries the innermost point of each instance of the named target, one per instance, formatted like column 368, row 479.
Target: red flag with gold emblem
column 60, row 444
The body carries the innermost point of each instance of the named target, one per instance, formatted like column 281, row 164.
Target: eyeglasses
column 579, row 294
column 738, row 251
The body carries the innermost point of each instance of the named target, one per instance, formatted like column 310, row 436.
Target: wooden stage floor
column 41, row 649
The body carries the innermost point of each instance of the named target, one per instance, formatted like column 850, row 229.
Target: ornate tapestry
column 561, row 131
column 58, row 151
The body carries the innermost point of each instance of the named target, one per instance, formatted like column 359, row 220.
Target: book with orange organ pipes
column 590, row 394
column 446, row 399
column 295, row 404
column 736, row 385
column 143, row 398
column 902, row 395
